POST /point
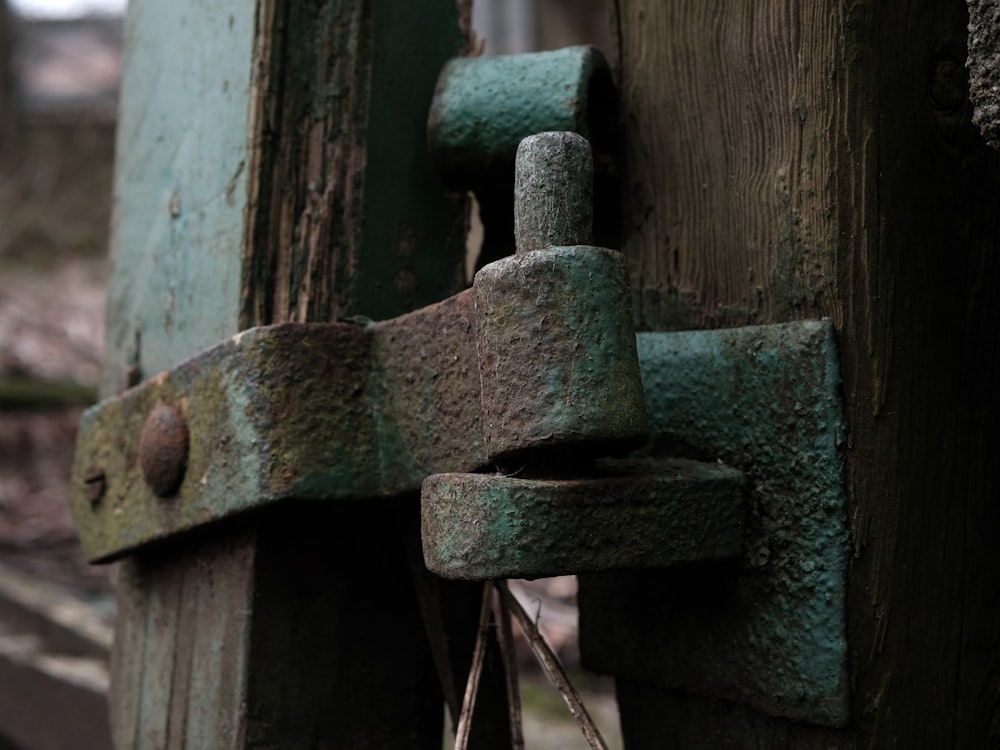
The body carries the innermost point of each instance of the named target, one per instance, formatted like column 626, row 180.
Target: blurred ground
column 54, row 213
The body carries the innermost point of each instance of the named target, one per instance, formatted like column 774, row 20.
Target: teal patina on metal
column 771, row 633
column 484, row 106
column 555, row 340
column 557, row 352
column 626, row 514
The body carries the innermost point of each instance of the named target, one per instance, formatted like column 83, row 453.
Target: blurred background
column 59, row 75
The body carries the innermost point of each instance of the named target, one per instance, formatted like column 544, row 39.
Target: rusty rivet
column 95, row 483
column 163, row 449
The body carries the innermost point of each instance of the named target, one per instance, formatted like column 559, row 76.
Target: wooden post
column 788, row 161
column 271, row 167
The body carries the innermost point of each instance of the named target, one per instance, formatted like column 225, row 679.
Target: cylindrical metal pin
column 553, row 192
column 556, row 345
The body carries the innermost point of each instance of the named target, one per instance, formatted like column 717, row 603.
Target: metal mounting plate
column 767, row 631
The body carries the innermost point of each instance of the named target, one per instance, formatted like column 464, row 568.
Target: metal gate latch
column 512, row 408
column 535, row 365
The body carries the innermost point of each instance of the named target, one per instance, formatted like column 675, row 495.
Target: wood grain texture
column 788, row 160
column 180, row 185
column 728, row 112
column 345, row 215
column 178, row 666
column 270, row 168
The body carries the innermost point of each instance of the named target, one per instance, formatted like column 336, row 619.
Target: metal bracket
column 536, row 367
column 767, row 631
column 538, row 359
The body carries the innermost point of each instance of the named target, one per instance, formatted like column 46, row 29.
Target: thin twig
column 550, row 662
column 428, row 590
column 506, row 639
column 475, row 670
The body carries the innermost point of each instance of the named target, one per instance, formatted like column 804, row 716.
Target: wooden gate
column 777, row 163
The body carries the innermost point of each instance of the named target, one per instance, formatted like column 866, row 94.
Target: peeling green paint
column 770, row 634
column 180, row 186
column 556, row 348
column 631, row 514
column 484, row 106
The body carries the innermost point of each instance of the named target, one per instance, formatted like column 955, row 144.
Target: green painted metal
column 557, row 353
column 538, row 358
column 768, row 632
column 631, row 514
column 180, row 186
column 333, row 411
column 345, row 411
column 484, row 106
column 556, row 341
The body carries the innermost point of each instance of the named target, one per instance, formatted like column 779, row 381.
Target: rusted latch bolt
column 163, row 449
column 556, row 342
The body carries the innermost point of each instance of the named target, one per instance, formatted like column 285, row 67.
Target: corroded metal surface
column 771, row 632
column 163, row 448
column 484, row 106
column 554, row 192
column 556, row 352
column 351, row 411
column 333, row 411
column 635, row 514
column 556, row 341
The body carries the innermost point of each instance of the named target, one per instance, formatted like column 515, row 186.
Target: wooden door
column 785, row 161
column 271, row 167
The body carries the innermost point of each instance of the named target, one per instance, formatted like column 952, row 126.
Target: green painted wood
column 230, row 198
column 180, row 186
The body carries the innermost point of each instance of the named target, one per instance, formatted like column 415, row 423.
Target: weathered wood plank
column 729, row 111
column 180, row 184
column 788, row 161
column 212, row 671
column 345, row 215
column 178, row 667
column 337, row 651
column 271, row 167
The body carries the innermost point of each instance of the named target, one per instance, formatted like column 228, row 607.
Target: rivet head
column 163, row 449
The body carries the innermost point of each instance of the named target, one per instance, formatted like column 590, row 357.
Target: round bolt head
column 163, row 449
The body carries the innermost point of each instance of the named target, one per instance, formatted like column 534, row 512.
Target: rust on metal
column 484, row 106
column 556, row 342
column 557, row 354
column 770, row 631
column 163, row 449
column 307, row 411
column 553, row 192
column 632, row 514
column 539, row 357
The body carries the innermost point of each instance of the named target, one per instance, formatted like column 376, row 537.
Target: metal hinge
column 512, row 408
